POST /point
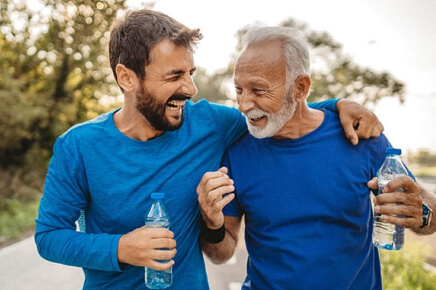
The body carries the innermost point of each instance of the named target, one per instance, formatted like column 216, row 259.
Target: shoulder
column 244, row 144
column 204, row 107
column 221, row 117
column 88, row 129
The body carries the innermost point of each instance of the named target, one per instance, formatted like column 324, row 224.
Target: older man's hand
column 402, row 208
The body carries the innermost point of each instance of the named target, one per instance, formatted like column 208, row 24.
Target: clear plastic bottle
column 158, row 217
column 385, row 235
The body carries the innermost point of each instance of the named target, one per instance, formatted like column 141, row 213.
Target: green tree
column 423, row 157
column 54, row 72
column 334, row 75
column 213, row 87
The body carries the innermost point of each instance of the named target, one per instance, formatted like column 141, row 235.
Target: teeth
column 175, row 105
column 254, row 117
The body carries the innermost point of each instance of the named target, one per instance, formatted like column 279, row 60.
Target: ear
column 126, row 77
column 301, row 88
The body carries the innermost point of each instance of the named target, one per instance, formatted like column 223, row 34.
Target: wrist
column 212, row 236
column 120, row 251
column 427, row 214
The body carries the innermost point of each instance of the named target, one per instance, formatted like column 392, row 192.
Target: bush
column 17, row 220
column 19, row 199
column 405, row 269
column 15, row 185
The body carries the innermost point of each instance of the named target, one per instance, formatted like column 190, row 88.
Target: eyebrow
column 180, row 72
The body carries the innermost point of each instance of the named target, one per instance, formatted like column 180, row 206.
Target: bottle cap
column 393, row 151
column 157, row 195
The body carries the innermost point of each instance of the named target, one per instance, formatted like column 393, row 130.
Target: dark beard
column 154, row 112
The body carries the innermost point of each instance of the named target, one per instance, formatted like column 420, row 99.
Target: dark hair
column 132, row 38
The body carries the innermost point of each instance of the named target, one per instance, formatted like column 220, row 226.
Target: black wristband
column 212, row 236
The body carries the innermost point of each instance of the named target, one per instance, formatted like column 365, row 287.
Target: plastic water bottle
column 157, row 217
column 385, row 235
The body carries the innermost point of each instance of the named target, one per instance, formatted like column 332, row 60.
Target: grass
column 405, row 269
column 17, row 221
column 419, row 171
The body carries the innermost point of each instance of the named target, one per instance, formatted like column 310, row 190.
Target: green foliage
column 16, row 186
column 212, row 87
column 405, row 269
column 19, row 200
column 334, row 75
column 422, row 163
column 54, row 72
column 423, row 158
column 19, row 218
column 423, row 172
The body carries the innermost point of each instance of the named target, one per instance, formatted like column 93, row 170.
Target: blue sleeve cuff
column 328, row 105
column 117, row 266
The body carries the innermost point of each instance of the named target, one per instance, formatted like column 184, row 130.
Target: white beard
column 275, row 121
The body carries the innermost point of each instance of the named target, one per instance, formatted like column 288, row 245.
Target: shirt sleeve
column 328, row 105
column 64, row 196
column 230, row 123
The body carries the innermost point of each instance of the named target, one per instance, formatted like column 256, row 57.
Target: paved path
column 21, row 268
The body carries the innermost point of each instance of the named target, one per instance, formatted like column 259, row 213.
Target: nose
column 245, row 102
column 188, row 87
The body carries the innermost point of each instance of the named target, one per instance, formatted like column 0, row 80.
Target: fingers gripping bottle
column 157, row 217
column 385, row 235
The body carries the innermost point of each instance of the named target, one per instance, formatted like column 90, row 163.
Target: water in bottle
column 385, row 235
column 157, row 217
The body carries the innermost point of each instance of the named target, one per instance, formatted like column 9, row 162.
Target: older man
column 299, row 184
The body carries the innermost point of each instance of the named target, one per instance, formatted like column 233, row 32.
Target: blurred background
column 54, row 73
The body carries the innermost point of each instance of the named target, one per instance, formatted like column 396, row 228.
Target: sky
column 397, row 36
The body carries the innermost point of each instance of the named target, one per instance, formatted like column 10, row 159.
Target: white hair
column 295, row 48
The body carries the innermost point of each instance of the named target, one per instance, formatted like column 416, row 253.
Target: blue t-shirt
column 307, row 210
column 110, row 176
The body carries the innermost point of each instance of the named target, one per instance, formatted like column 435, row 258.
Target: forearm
column 220, row 252
column 66, row 246
column 429, row 199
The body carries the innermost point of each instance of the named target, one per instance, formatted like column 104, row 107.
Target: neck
column 304, row 121
column 133, row 124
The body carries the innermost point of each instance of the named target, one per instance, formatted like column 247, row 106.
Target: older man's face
column 261, row 91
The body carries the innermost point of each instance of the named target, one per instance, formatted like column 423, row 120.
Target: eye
column 259, row 92
column 238, row 90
